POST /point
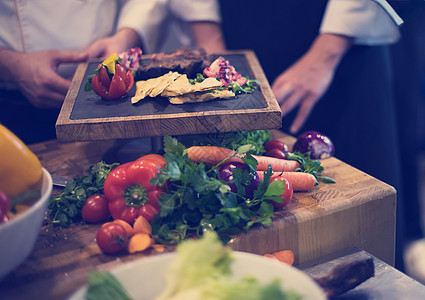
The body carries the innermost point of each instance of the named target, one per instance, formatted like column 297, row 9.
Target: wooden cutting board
column 85, row 117
column 357, row 211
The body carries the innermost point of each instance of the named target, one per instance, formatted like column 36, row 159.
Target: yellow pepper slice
column 20, row 168
column 110, row 63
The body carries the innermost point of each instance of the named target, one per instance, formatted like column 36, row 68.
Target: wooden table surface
column 357, row 211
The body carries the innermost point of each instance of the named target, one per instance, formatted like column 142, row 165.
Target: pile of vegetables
column 198, row 199
column 20, row 171
column 185, row 192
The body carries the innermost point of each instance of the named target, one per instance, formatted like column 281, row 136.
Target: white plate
column 144, row 278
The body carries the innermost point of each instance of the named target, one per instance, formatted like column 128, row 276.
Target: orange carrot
column 300, row 181
column 139, row 242
column 159, row 247
column 141, row 225
column 211, row 155
column 285, row 256
column 270, row 256
column 130, row 230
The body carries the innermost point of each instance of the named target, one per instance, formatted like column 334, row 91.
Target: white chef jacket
column 158, row 15
column 34, row 25
column 369, row 22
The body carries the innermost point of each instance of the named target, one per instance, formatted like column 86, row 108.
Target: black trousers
column 29, row 123
column 358, row 110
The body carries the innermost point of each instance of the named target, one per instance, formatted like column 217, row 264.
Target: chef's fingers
column 58, row 84
column 282, row 90
column 303, row 112
column 46, row 99
column 98, row 49
column 292, row 101
column 69, row 56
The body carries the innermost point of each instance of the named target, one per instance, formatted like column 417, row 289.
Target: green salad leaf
column 202, row 271
column 105, row 286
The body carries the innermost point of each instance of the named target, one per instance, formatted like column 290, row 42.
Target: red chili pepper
column 129, row 192
column 114, row 88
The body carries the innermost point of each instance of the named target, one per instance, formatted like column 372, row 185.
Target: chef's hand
column 305, row 82
column 208, row 36
column 121, row 41
column 35, row 74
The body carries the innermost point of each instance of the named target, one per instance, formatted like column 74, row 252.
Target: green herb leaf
column 309, row 165
column 196, row 198
column 65, row 208
column 105, row 286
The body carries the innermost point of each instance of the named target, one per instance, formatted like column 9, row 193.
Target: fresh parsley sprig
column 309, row 165
column 65, row 208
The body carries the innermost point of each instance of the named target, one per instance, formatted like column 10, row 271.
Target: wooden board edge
column 68, row 103
column 195, row 124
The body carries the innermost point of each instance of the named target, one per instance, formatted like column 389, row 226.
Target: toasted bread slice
column 201, row 96
column 153, row 87
column 182, row 86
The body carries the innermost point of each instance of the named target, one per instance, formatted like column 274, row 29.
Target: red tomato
column 104, row 77
column 276, row 153
column 99, row 88
column 117, row 87
column 276, row 144
column 114, row 88
column 287, row 193
column 129, row 81
column 95, row 209
column 112, row 238
column 121, row 71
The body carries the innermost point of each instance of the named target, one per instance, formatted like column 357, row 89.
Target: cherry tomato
column 287, row 193
column 121, row 71
column 129, row 81
column 104, row 77
column 276, row 144
column 277, row 153
column 112, row 238
column 114, row 86
column 95, row 209
column 117, row 88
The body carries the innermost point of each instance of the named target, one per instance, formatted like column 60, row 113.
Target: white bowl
column 144, row 278
column 18, row 236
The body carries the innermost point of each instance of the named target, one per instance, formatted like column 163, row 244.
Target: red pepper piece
column 129, row 191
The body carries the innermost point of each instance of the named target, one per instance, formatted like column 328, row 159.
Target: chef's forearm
column 9, row 59
column 330, row 48
column 208, row 35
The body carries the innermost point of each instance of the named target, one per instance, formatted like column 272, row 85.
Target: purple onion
column 226, row 174
column 319, row 145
